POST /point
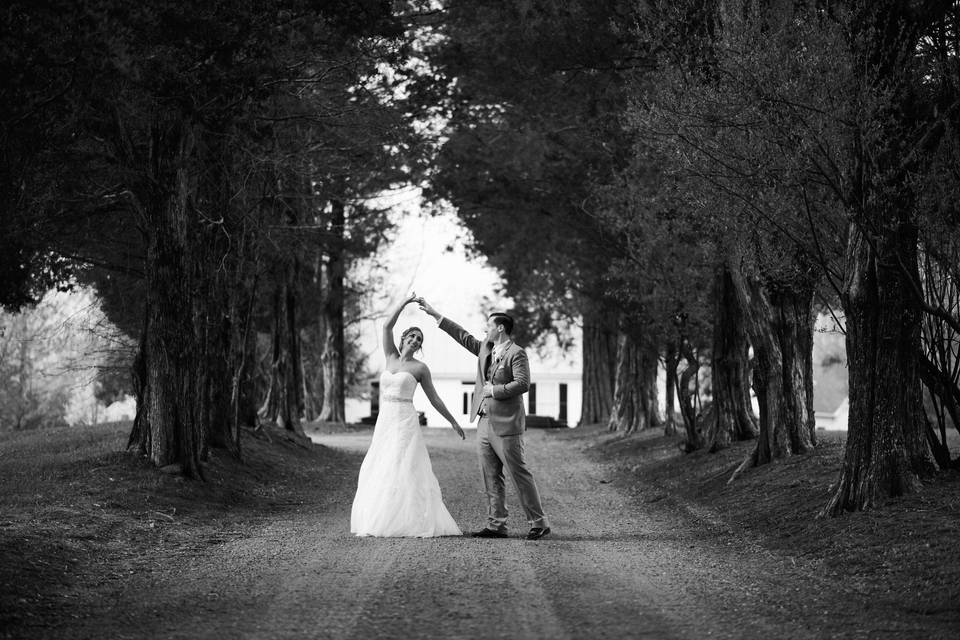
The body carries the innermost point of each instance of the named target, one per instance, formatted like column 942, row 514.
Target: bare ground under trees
column 648, row 542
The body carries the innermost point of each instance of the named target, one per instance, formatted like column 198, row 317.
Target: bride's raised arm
column 389, row 346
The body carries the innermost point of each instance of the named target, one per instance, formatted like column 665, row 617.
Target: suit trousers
column 497, row 452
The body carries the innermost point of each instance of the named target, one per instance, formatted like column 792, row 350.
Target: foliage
column 184, row 157
column 532, row 95
column 754, row 140
column 669, row 252
column 50, row 354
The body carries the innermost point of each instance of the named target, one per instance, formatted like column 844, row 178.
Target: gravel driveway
column 619, row 564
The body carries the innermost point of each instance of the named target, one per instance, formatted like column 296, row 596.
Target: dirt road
column 615, row 567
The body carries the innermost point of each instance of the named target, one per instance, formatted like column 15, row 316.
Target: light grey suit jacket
column 510, row 380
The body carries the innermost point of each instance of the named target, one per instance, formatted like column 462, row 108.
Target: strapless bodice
column 397, row 387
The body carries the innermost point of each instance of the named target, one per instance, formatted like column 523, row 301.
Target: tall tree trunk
column 312, row 404
column 243, row 352
column 239, row 385
column 232, row 275
column 886, row 453
column 939, row 366
column 629, row 413
column 139, row 439
column 651, row 391
column 599, row 365
column 688, row 393
column 283, row 404
column 794, row 321
column 334, row 394
column 780, row 327
column 223, row 431
column 635, row 403
column 169, row 418
column 294, row 384
column 23, row 380
column 672, row 361
column 734, row 419
column 244, row 385
column 650, row 394
column 207, row 353
column 313, row 339
column 944, row 396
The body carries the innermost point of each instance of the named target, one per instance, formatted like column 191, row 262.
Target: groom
column 503, row 376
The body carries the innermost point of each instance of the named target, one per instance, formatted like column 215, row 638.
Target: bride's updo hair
column 408, row 331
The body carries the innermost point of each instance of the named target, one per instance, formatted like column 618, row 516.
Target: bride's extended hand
column 426, row 308
column 459, row 430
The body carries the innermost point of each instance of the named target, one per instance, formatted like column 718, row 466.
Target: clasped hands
column 426, row 308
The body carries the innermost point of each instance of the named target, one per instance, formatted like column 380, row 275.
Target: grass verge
column 78, row 514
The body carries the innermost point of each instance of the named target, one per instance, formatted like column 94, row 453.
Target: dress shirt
column 499, row 349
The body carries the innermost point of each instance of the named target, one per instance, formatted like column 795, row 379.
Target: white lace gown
column 397, row 493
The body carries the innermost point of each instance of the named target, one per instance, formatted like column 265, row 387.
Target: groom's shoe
column 537, row 532
column 489, row 533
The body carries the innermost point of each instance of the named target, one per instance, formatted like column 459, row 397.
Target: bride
column 397, row 493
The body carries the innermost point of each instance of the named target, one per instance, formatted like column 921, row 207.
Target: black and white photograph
column 479, row 319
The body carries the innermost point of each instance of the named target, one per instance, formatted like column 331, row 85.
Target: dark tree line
column 204, row 167
column 533, row 130
column 696, row 180
column 692, row 180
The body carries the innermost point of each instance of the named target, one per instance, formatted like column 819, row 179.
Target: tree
column 713, row 112
column 734, row 417
column 800, row 118
column 635, row 399
column 51, row 355
column 162, row 99
column 658, row 282
column 517, row 165
column 893, row 137
column 36, row 121
column 32, row 397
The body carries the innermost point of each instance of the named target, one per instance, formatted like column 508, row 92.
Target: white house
column 835, row 420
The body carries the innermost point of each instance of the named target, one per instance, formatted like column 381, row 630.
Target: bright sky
column 427, row 255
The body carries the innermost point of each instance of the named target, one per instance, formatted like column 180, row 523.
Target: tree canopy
column 691, row 181
column 717, row 173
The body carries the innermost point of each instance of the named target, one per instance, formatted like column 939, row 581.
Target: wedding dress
column 397, row 493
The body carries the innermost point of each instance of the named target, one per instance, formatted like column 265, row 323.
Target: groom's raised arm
column 452, row 329
column 461, row 335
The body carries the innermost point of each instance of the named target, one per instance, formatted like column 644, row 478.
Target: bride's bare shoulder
column 419, row 368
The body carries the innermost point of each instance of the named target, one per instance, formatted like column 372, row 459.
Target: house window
column 467, row 386
column 532, row 399
column 563, row 403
